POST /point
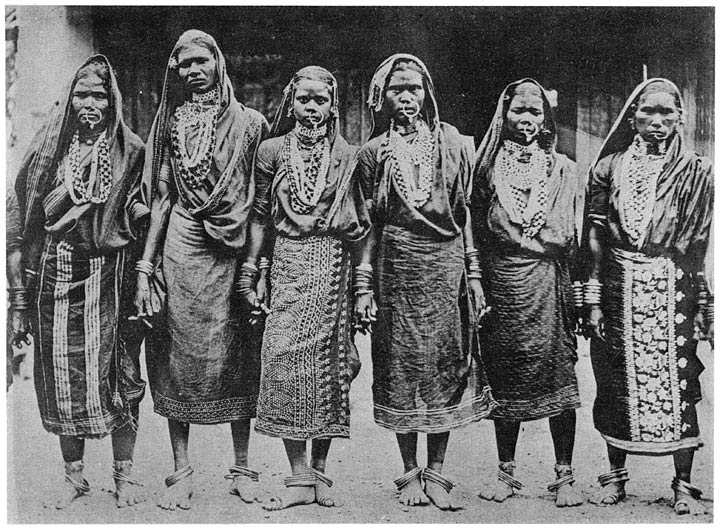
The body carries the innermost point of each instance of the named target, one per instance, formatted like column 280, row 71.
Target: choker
column 642, row 146
column 90, row 139
column 405, row 130
column 211, row 97
column 309, row 136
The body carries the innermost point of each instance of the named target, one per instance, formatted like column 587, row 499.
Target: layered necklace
column 640, row 169
column 405, row 157
column 82, row 191
column 200, row 113
column 523, row 178
column 307, row 179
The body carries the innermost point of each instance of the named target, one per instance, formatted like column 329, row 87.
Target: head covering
column 284, row 119
column 492, row 140
column 621, row 133
column 239, row 131
column 51, row 143
column 376, row 97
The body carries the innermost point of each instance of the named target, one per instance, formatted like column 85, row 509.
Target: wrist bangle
column 264, row 263
column 144, row 267
column 592, row 292
column 364, row 267
column 578, row 299
column 19, row 298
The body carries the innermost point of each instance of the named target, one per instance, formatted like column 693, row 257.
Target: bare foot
column 290, row 497
column 67, row 495
column 324, row 497
column 499, row 492
column 568, row 496
column 412, row 494
column 686, row 504
column 246, row 489
column 178, row 495
column 439, row 496
column 128, row 492
column 74, row 485
column 613, row 493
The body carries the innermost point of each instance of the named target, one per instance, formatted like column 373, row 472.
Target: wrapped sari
column 77, row 248
column 527, row 339
column 202, row 357
column 425, row 377
column 647, row 368
column 309, row 358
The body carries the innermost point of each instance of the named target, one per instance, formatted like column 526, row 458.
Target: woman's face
column 405, row 96
column 525, row 116
column 312, row 102
column 197, row 68
column 656, row 117
column 90, row 101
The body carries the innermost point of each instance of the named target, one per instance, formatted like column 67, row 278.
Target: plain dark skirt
column 527, row 339
column 87, row 373
column 425, row 378
column 647, row 370
column 204, row 359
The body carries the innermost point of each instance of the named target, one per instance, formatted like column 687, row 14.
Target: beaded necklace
column 404, row 157
column 82, row 191
column 307, row 180
column 638, row 179
column 522, row 176
column 201, row 113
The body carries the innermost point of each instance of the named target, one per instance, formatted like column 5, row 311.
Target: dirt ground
column 363, row 468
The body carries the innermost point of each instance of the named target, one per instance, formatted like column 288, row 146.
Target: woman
column 202, row 357
column 524, row 213
column 415, row 174
column 650, row 210
column 307, row 199
column 74, row 222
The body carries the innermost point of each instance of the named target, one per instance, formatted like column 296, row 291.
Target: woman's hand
column 596, row 323
column 365, row 312
column 143, row 300
column 258, row 300
column 19, row 327
column 478, row 299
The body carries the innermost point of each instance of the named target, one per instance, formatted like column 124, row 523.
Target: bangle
column 474, row 275
column 19, row 298
column 578, row 299
column 264, row 263
column 245, row 283
column 364, row 267
column 470, row 250
column 592, row 292
column 360, row 292
column 144, row 267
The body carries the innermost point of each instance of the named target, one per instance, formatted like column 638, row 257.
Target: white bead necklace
column 100, row 177
column 404, row 157
column 307, row 181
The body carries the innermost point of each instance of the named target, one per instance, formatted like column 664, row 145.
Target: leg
column 242, row 485
column 127, row 491
column 73, row 450
column 179, row 493
column 437, row 446
column 615, row 491
column 683, row 460
column 562, row 429
column 412, row 492
column 294, row 495
column 320, row 449
column 506, row 437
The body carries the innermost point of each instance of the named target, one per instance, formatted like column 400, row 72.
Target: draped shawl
column 682, row 214
column 113, row 222
column 224, row 213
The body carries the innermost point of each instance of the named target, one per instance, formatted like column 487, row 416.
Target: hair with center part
column 407, row 64
column 97, row 67
column 661, row 87
column 317, row 73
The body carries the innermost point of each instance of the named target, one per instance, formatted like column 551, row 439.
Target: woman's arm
column 474, row 271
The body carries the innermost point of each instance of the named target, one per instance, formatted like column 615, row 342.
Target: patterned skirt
column 424, row 376
column 647, row 370
column 87, row 373
column 527, row 339
column 204, row 361
column 308, row 354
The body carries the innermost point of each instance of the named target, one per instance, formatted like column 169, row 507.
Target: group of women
column 247, row 256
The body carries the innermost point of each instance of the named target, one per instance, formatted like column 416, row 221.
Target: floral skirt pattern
column 647, row 369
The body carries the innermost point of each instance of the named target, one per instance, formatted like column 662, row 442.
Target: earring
column 289, row 112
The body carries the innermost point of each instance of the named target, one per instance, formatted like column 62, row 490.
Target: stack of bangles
column 363, row 280
column 19, row 298
column 705, row 300
column 144, row 267
column 245, row 283
column 263, row 264
column 472, row 263
column 592, row 292
column 578, row 298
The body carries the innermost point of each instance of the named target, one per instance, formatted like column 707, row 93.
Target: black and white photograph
column 400, row 264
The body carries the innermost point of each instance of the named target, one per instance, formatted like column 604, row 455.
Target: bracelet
column 249, row 267
column 470, row 250
column 363, row 291
column 245, row 283
column 364, row 267
column 144, row 267
column 474, row 275
column 592, row 292
column 19, row 298
column 264, row 263
column 578, row 299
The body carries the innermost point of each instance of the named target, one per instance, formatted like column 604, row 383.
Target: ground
column 363, row 467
